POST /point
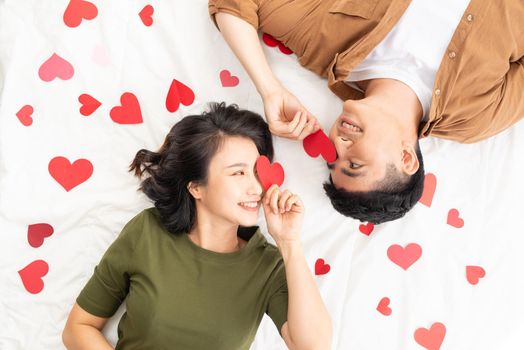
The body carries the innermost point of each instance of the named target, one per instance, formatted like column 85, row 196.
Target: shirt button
column 437, row 92
column 452, row 54
column 470, row 17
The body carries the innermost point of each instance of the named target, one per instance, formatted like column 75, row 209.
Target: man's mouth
column 349, row 125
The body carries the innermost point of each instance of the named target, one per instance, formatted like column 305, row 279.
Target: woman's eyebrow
column 236, row 165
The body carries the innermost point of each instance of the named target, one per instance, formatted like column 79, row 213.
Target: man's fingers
column 308, row 129
column 300, row 126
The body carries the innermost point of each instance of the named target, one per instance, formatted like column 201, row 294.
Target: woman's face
column 233, row 193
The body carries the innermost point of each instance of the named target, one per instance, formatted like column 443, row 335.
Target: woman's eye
column 240, row 172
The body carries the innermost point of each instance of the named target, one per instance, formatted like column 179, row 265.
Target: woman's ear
column 194, row 190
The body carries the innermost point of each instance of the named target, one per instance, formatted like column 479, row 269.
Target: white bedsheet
column 116, row 53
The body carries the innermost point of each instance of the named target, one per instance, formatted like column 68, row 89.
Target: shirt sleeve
column 109, row 284
column 278, row 299
column 245, row 9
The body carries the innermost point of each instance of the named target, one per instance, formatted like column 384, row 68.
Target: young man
column 405, row 69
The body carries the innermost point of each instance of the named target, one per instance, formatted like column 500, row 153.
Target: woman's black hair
column 185, row 156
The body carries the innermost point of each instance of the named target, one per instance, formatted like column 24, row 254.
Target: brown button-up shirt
column 479, row 86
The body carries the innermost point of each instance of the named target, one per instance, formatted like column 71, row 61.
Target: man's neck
column 397, row 98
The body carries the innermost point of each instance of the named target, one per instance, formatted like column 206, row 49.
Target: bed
column 84, row 85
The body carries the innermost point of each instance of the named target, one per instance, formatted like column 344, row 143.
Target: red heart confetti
column 319, row 144
column 146, row 15
column 431, row 338
column 272, row 42
column 89, row 104
column 128, row 112
column 56, row 67
column 321, row 268
column 32, row 274
column 37, row 232
column 367, row 228
column 474, row 273
column 430, row 185
column 454, row 219
column 24, row 115
column 70, row 175
column 77, row 10
column 268, row 173
column 227, row 79
column 179, row 93
column 383, row 306
column 404, row 257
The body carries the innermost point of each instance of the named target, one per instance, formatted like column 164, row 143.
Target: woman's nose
column 255, row 186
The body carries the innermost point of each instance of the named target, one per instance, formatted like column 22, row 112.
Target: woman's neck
column 216, row 236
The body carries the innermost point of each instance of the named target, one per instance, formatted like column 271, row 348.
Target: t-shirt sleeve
column 244, row 9
column 278, row 300
column 109, row 284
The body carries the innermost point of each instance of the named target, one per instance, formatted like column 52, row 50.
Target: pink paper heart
column 454, row 219
column 474, row 273
column 56, row 67
column 24, row 115
column 129, row 112
column 430, row 185
column 227, row 79
column 383, row 306
column 431, row 338
column 404, row 256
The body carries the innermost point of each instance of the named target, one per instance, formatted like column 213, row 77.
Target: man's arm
column 280, row 105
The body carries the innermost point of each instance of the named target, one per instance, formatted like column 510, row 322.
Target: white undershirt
column 413, row 50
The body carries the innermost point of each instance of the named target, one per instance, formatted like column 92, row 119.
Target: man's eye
column 354, row 165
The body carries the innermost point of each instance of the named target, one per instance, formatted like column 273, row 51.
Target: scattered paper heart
column 25, row 115
column 36, row 233
column 70, row 175
column 404, row 256
column 431, row 338
column 32, row 275
column 321, row 268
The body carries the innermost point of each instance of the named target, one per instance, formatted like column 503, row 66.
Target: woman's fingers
column 283, row 199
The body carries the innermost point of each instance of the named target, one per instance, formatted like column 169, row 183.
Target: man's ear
column 194, row 190
column 409, row 163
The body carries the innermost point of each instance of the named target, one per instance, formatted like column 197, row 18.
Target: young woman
column 196, row 272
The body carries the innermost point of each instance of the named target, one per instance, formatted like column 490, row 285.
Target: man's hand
column 287, row 117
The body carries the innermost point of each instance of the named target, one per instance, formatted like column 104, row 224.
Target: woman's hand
column 286, row 116
column 284, row 214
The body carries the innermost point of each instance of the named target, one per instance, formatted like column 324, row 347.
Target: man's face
column 366, row 141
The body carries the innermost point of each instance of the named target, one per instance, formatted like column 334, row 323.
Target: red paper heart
column 77, row 10
column 268, row 173
column 383, row 306
column 89, row 104
column 56, row 67
column 70, row 175
column 32, row 274
column 284, row 49
column 128, row 112
column 474, row 273
column 454, row 219
column 430, row 185
column 269, row 40
column 431, row 338
column 146, row 15
column 404, row 257
column 272, row 42
column 178, row 93
column 318, row 143
column 321, row 268
column 24, row 115
column 227, row 79
column 37, row 232
column 367, row 228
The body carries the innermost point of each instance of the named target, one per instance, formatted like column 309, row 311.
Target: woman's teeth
column 249, row 204
column 350, row 127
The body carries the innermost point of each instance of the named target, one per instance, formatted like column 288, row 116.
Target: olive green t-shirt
column 181, row 296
